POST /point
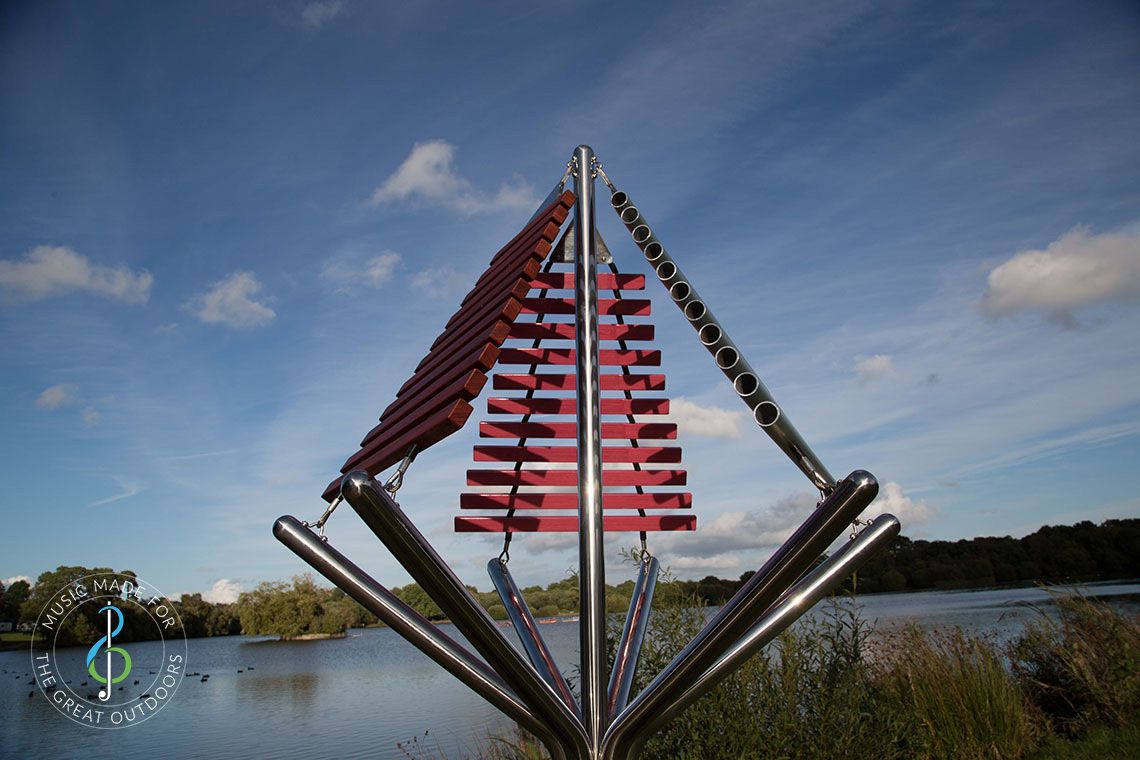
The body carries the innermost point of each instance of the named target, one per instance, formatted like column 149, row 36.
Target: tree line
column 1081, row 552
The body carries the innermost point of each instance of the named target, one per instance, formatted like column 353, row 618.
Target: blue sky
column 228, row 232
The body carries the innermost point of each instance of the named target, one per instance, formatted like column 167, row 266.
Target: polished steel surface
column 632, row 635
column 527, row 630
column 817, row 584
column 745, row 381
column 405, row 621
column 591, row 560
column 826, row 523
column 389, row 523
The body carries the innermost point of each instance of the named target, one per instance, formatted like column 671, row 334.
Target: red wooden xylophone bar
column 435, row 401
column 529, row 488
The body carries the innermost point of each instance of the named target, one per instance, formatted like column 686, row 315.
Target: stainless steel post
column 849, row 497
column 389, row 523
column 632, row 636
column 527, row 630
column 818, row 583
column 591, row 560
column 411, row 625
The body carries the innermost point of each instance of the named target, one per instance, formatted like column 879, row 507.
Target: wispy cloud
column 201, row 455
column 127, row 490
column 347, row 270
column 91, row 416
column 9, row 581
column 232, row 302
column 316, row 15
column 441, row 281
column 428, row 175
column 47, row 271
column 873, row 367
column 57, row 396
column 1076, row 271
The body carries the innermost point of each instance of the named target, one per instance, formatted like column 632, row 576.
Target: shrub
column 1081, row 668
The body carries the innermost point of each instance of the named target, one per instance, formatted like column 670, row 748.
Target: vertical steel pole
column 591, row 560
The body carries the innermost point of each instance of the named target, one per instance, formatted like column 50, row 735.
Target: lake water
column 359, row 697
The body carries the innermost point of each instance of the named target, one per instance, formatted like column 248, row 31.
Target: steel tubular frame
column 605, row 724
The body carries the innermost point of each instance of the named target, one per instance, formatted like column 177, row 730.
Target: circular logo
column 109, row 650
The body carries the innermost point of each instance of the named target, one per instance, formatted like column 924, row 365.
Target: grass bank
column 1068, row 687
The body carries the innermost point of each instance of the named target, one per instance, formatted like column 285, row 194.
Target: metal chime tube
column 849, row 497
column 751, row 390
column 388, row 522
column 416, row 629
column 533, row 643
column 591, row 560
column 632, row 636
column 817, row 584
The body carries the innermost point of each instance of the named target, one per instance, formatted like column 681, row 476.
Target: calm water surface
column 358, row 697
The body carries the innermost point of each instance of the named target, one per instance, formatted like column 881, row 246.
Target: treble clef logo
column 92, row 653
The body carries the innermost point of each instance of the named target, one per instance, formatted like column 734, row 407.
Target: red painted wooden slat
column 466, row 387
column 522, row 247
column 565, row 331
column 570, row 500
column 552, row 382
column 610, row 430
column 479, row 357
column 565, row 281
column 606, row 357
column 505, row 311
column 556, row 212
column 569, row 406
column 514, row 286
column 490, row 453
column 569, row 523
column 551, row 478
column 494, row 281
column 630, row 307
column 409, row 428
column 426, row 433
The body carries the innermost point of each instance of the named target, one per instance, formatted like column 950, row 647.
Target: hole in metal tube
column 746, row 384
column 630, row 214
column 641, row 233
column 709, row 334
column 766, row 413
column 726, row 357
column 653, row 251
column 619, row 199
column 666, row 269
column 694, row 310
column 680, row 290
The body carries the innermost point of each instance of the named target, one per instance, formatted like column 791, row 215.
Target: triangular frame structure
column 606, row 721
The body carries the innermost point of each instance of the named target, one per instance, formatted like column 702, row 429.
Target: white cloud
column 427, row 174
column 1077, row 270
column 224, row 591
column 441, row 281
column 891, row 499
column 9, row 581
column 348, row 270
column 316, row 15
column 57, row 396
column 707, row 564
column 873, row 368
column 709, row 421
column 91, row 416
column 231, row 302
column 47, row 271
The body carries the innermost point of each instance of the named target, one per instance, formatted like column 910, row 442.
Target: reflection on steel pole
column 591, row 562
column 632, row 636
column 818, row 583
column 405, row 621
